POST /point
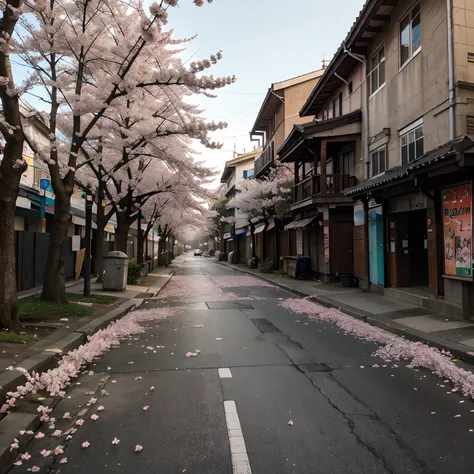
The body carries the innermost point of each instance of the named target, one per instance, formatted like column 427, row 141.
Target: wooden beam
column 390, row 3
column 374, row 29
column 382, row 18
column 324, row 147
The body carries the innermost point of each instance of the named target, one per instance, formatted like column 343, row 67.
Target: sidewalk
column 68, row 335
column 395, row 316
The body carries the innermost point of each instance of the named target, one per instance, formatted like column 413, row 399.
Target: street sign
column 44, row 183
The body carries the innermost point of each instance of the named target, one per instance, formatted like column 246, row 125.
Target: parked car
column 197, row 252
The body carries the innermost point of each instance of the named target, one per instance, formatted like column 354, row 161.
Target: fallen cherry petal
column 115, row 441
column 146, row 407
column 35, row 469
column 25, row 456
column 85, row 444
column 94, row 417
column 138, row 448
column 100, row 408
column 291, row 423
column 457, row 416
column 152, row 388
column 63, row 461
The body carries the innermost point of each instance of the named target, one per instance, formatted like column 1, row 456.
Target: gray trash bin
column 115, row 271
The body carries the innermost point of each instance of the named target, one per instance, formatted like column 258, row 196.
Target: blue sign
column 44, row 183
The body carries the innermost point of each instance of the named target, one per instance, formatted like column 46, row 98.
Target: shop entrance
column 408, row 249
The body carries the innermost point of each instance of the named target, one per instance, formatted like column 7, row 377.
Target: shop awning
column 82, row 222
column 259, row 228
column 271, row 225
column 299, row 223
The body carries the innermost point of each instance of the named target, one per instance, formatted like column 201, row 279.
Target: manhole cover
column 228, row 305
column 264, row 325
column 312, row 368
column 145, row 295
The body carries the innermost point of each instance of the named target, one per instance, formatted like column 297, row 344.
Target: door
column 399, row 247
column 341, row 246
column 376, row 253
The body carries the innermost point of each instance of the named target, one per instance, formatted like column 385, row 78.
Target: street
column 293, row 395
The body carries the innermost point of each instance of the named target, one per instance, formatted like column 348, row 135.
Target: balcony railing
column 265, row 159
column 315, row 186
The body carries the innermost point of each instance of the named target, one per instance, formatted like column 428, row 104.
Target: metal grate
column 470, row 124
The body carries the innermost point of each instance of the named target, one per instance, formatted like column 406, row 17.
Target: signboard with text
column 457, row 230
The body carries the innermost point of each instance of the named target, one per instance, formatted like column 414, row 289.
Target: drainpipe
column 365, row 111
column 452, row 117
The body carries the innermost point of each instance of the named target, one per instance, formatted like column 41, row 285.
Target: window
column 326, row 113
column 337, row 106
column 410, row 35
column 379, row 161
column 411, row 144
column 350, row 88
column 377, row 70
column 248, row 173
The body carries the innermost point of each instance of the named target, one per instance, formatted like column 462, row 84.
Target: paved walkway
column 392, row 314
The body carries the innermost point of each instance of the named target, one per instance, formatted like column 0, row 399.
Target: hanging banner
column 457, row 230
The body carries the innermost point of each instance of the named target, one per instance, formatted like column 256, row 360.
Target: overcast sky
column 263, row 41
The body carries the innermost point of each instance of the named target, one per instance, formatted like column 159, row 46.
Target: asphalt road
column 348, row 416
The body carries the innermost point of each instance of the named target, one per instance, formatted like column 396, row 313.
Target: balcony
column 318, row 190
column 264, row 162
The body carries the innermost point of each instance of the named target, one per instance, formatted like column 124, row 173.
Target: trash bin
column 303, row 267
column 115, row 271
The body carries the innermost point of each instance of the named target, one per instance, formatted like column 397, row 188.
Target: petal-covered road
column 224, row 373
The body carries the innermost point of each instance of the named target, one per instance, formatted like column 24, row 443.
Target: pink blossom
column 138, row 448
column 392, row 348
column 67, row 415
column 18, row 463
column 100, row 408
column 146, row 407
column 35, row 469
column 58, row 450
column 85, row 444
column 39, row 435
column 94, row 417
column 45, row 453
column 63, row 461
column 291, row 423
column 115, row 441
column 80, row 422
column 57, row 433
column 152, row 388
column 25, row 456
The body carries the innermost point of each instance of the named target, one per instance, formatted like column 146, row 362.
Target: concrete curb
column 13, row 423
column 459, row 351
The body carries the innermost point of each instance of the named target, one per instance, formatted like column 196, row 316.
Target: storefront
column 417, row 235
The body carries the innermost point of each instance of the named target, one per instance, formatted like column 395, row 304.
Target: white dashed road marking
column 240, row 459
column 225, row 374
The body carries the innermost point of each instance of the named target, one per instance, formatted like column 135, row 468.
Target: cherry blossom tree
column 11, row 168
column 84, row 56
column 268, row 198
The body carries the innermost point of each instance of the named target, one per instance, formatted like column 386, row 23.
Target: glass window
column 377, row 74
column 379, row 161
column 411, row 144
column 410, row 34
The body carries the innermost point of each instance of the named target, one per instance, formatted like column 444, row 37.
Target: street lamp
column 87, row 264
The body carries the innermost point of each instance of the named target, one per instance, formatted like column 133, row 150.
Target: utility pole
column 87, row 262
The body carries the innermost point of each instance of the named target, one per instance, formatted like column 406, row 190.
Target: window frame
column 245, row 174
column 377, row 152
column 411, row 53
column 404, row 133
column 377, row 68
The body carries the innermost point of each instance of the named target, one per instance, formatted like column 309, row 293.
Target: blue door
column 376, row 259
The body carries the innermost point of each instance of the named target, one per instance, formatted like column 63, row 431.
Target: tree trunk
column 121, row 233
column 100, row 236
column 54, row 286
column 140, row 240
column 9, row 185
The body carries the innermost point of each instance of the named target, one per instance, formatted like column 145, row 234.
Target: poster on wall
column 457, row 230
